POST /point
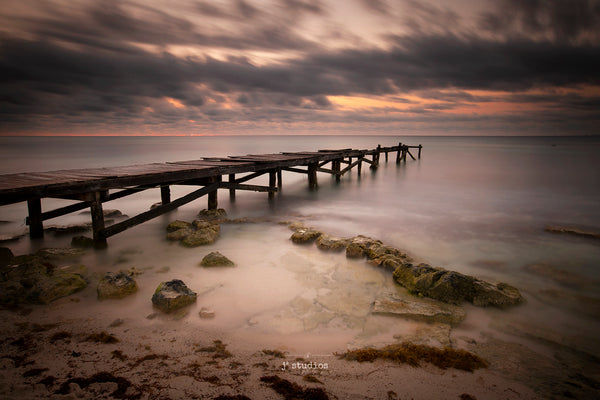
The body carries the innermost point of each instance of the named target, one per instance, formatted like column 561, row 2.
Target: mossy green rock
column 359, row 246
column 212, row 214
column 305, row 235
column 116, row 286
column 177, row 225
column 173, row 295
column 201, row 237
column 179, row 234
column 331, row 243
column 216, row 259
column 453, row 287
column 39, row 282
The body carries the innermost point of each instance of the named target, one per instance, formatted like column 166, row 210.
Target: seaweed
column 218, row 348
column 149, row 357
column 62, row 335
column 274, row 353
column 101, row 337
column 101, row 377
column 413, row 354
column 34, row 372
column 118, row 354
column 293, row 391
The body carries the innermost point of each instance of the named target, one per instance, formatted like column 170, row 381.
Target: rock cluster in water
column 39, row 278
column 422, row 279
column 173, row 295
column 194, row 234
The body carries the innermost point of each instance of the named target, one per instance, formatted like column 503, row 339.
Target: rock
column 116, row 286
column 116, row 322
column 204, row 236
column 68, row 229
column 212, row 214
column 418, row 309
column 216, row 259
column 388, row 261
column 6, row 256
column 82, row 242
column 359, row 246
column 179, row 234
column 12, row 237
column 206, row 313
column 294, row 226
column 305, row 235
column 453, row 287
column 176, row 225
column 331, row 243
column 573, row 231
column 60, row 253
column 37, row 281
column 172, row 295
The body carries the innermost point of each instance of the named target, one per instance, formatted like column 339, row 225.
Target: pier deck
column 92, row 187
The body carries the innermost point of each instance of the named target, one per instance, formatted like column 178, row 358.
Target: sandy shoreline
column 174, row 360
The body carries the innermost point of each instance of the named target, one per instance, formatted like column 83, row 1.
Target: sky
column 355, row 67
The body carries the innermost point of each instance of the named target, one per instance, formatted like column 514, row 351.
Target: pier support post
column 279, row 180
column 375, row 163
column 213, row 203
column 97, row 220
column 312, row 176
column 272, row 183
column 165, row 194
column 36, row 226
column 336, row 167
column 398, row 158
column 232, row 191
column 420, row 147
column 359, row 166
column 386, row 156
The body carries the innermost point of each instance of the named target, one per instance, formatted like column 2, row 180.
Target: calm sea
column 477, row 205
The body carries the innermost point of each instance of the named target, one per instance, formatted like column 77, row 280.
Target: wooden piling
column 336, row 168
column 279, row 180
column 97, row 220
column 213, row 203
column 36, row 226
column 272, row 183
column 375, row 162
column 165, row 194
column 231, row 191
column 420, row 147
column 312, row 176
column 399, row 153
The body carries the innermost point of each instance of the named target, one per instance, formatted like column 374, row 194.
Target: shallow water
column 475, row 205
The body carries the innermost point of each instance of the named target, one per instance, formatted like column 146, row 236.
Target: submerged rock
column 204, row 236
column 360, row 245
column 82, row 241
column 305, row 235
column 216, row 259
column 116, row 286
column 6, row 256
column 453, row 287
column 331, row 243
column 68, row 229
column 418, row 309
column 172, row 295
column 60, row 253
column 177, row 225
column 573, row 231
column 39, row 282
column 179, row 234
column 212, row 214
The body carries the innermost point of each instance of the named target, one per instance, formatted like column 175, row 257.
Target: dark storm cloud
column 561, row 19
column 378, row 6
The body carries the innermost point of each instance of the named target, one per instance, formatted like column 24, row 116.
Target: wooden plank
column 297, row 170
column 155, row 212
column 251, row 176
column 241, row 186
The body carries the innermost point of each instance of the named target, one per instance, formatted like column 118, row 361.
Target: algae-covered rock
column 305, row 235
column 201, row 237
column 453, row 287
column 116, row 286
column 39, row 282
column 177, row 225
column 216, row 259
column 331, row 243
column 6, row 256
column 172, row 295
column 82, row 241
column 60, row 253
column 212, row 214
column 360, row 245
column 179, row 234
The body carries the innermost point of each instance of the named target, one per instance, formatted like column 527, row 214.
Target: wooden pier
column 93, row 187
